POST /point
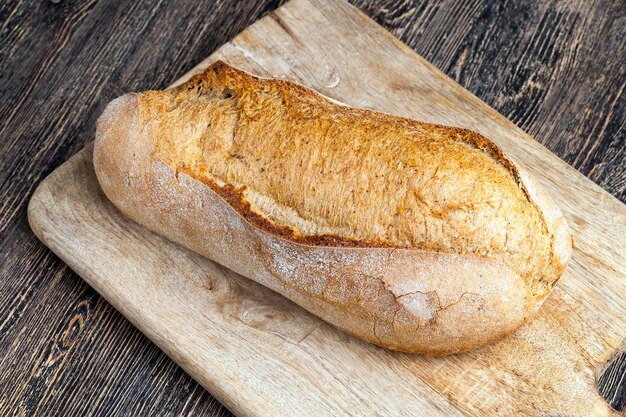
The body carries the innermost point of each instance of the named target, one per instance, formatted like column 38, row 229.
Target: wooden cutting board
column 260, row 354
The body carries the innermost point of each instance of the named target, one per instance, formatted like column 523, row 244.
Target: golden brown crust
column 403, row 297
column 237, row 201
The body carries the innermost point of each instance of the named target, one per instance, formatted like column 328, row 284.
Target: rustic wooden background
column 555, row 68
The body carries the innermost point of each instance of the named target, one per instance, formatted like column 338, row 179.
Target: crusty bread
column 413, row 236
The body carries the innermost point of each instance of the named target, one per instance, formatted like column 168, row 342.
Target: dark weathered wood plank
column 557, row 69
column 612, row 383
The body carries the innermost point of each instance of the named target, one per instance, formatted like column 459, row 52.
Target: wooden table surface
column 557, row 69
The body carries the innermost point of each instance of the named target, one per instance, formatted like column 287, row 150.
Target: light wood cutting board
column 260, row 354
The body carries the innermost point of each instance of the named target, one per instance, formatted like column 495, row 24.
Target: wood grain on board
column 555, row 68
column 260, row 354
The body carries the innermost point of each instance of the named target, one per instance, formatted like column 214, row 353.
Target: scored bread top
column 296, row 164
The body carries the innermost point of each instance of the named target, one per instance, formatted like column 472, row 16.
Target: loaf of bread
column 412, row 236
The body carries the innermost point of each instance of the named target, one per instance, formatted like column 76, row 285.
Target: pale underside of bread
column 413, row 236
